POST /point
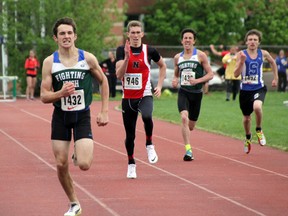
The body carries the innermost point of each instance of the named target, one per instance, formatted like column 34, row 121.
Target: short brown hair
column 66, row 21
column 254, row 32
column 134, row 23
column 190, row 31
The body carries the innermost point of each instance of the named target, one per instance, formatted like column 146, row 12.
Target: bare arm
column 273, row 65
column 240, row 59
column 102, row 117
column 46, row 93
column 162, row 74
column 176, row 71
column 214, row 51
column 209, row 73
column 121, row 66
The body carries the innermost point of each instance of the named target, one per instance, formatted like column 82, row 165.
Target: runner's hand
column 67, row 89
column 102, row 119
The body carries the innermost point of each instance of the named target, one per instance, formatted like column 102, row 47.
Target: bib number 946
column 133, row 81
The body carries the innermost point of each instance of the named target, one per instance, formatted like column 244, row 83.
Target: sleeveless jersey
column 31, row 65
column 80, row 75
column 252, row 73
column 190, row 68
column 136, row 81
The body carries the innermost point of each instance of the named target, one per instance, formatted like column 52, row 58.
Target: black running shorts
column 190, row 102
column 64, row 123
column 247, row 98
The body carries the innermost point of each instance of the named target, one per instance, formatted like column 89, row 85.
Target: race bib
column 74, row 102
column 186, row 74
column 250, row 79
column 133, row 81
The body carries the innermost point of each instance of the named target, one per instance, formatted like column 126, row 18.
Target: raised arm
column 47, row 94
column 214, row 51
column 205, row 63
column 121, row 65
column 240, row 59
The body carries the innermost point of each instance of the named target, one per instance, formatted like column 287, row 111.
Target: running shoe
column 74, row 210
column 131, row 172
column 152, row 155
column 261, row 138
column 247, row 146
column 188, row 156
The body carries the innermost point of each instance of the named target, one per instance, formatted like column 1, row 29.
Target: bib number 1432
column 74, row 102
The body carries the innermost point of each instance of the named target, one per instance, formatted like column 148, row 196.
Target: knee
column 84, row 166
column 191, row 127
column 146, row 118
column 62, row 166
column 257, row 109
column 247, row 119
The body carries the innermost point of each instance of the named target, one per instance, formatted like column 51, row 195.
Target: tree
column 270, row 17
column 29, row 26
column 217, row 21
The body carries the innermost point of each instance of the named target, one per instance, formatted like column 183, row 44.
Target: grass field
column 219, row 116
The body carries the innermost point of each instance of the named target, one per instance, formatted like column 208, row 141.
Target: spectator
column 109, row 68
column 31, row 66
column 281, row 61
column 221, row 70
column 232, row 82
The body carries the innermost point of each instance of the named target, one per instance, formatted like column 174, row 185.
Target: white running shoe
column 261, row 138
column 131, row 172
column 152, row 155
column 74, row 210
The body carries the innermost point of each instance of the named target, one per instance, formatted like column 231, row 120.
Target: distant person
column 281, row 61
column 109, row 68
column 249, row 65
column 221, row 53
column 232, row 82
column 133, row 68
column 67, row 83
column 191, row 71
column 31, row 65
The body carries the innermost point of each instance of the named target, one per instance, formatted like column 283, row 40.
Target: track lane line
column 165, row 171
column 85, row 191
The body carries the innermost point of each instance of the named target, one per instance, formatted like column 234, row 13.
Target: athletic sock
column 248, row 136
column 148, row 140
column 258, row 129
column 188, row 147
column 131, row 159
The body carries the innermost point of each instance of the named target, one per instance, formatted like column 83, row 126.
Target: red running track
column 222, row 180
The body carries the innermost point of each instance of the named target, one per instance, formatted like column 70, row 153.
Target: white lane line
column 186, row 180
column 112, row 212
column 174, row 175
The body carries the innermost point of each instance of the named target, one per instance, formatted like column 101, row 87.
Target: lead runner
column 67, row 83
column 133, row 68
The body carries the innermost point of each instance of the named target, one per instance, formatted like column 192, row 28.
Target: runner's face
column 65, row 36
column 188, row 40
column 135, row 36
column 252, row 42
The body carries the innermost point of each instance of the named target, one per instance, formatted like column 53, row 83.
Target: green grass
column 221, row 117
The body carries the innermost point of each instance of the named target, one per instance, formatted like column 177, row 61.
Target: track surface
column 221, row 181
